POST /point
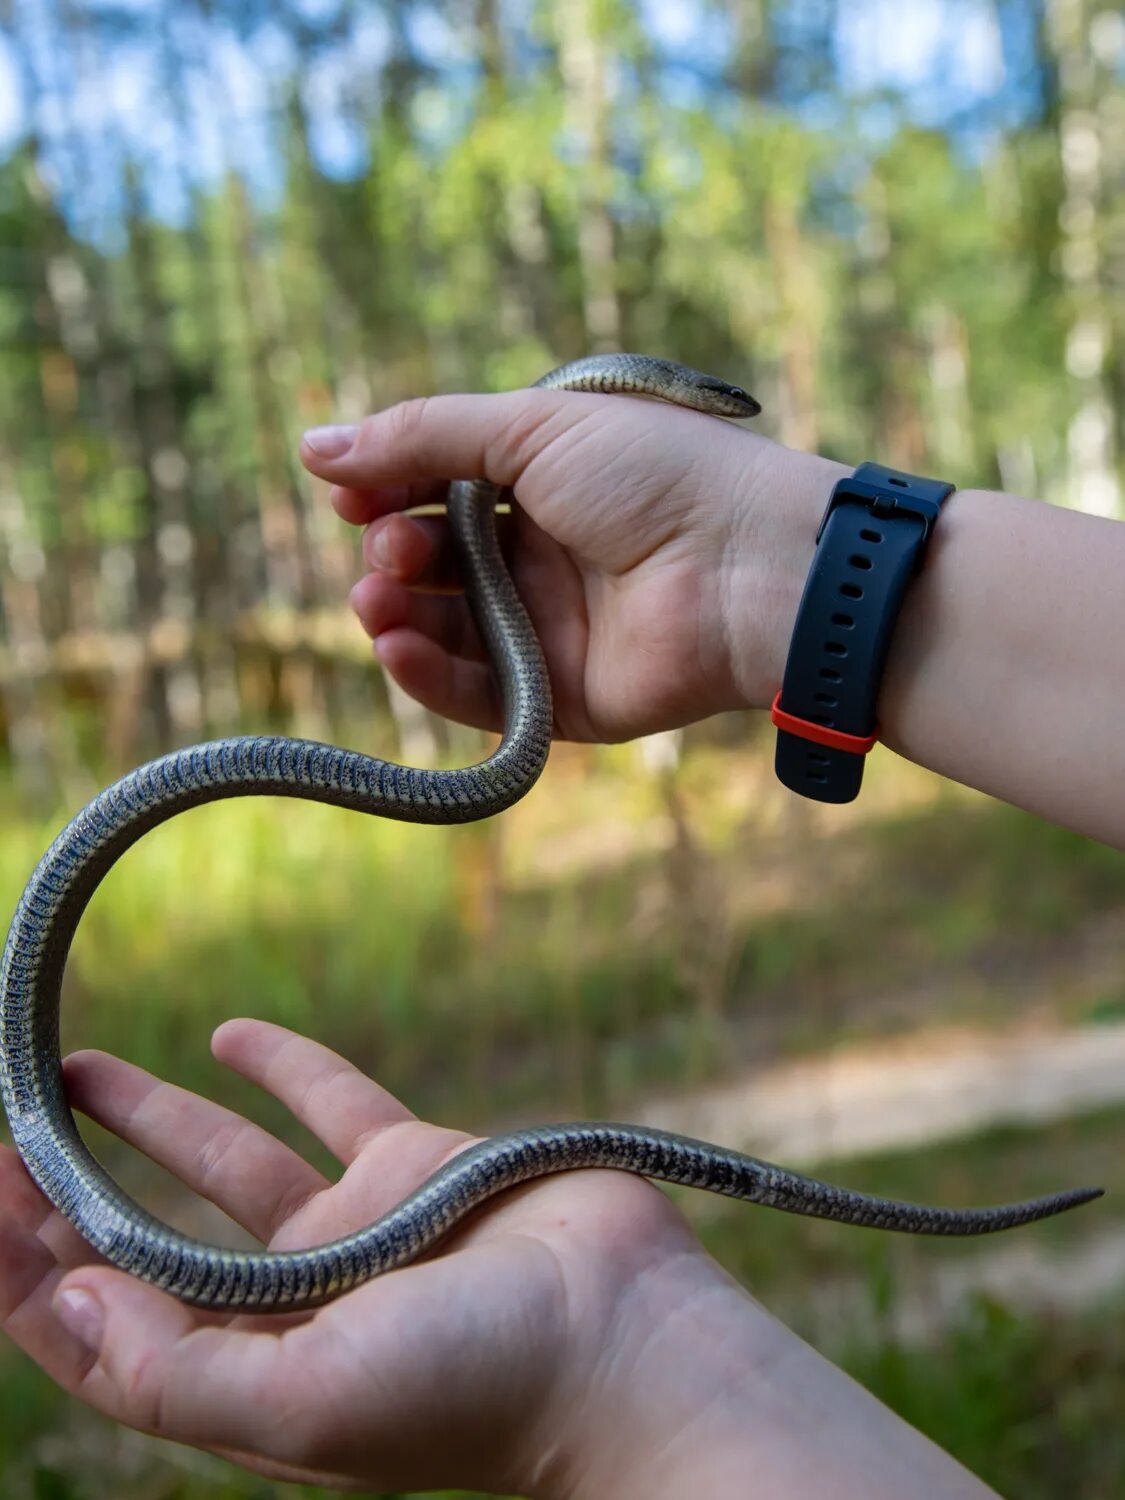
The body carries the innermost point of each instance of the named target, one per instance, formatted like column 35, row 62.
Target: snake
column 46, row 918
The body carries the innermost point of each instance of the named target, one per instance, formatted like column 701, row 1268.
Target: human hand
column 468, row 1369
column 574, row 1340
column 660, row 552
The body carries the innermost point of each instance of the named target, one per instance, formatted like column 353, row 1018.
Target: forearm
column 721, row 1399
column 1005, row 670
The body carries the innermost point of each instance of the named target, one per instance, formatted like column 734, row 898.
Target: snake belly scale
column 56, row 895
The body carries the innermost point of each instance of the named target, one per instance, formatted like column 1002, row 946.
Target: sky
column 943, row 56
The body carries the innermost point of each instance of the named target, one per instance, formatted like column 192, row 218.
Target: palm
column 623, row 650
column 455, row 1344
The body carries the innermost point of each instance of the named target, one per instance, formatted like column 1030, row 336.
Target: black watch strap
column 869, row 545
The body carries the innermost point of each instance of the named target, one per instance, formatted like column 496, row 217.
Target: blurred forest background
column 903, row 228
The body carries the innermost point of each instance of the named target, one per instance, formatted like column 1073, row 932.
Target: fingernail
column 81, row 1314
column 331, row 442
column 381, row 549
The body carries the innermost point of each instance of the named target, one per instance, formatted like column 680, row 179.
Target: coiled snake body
column 43, row 1127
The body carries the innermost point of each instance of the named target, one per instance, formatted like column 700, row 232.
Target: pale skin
column 574, row 1341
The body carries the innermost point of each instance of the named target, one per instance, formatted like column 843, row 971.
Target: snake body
column 56, row 895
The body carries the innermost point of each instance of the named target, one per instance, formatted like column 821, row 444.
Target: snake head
column 648, row 375
column 726, row 400
column 695, row 388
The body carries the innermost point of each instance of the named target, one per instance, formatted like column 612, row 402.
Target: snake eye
column 738, row 393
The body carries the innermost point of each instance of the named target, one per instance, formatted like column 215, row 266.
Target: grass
column 1031, row 1405
column 614, row 933
column 565, row 993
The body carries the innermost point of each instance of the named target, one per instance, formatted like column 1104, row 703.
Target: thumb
column 445, row 437
column 165, row 1368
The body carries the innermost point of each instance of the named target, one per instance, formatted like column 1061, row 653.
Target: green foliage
column 891, row 289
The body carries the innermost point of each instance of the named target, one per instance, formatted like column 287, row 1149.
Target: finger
column 384, row 604
column 291, row 1400
column 404, row 547
column 20, row 1200
column 31, row 1268
column 445, row 437
column 419, row 550
column 463, row 691
column 24, row 1205
column 361, row 506
column 29, row 1278
column 228, row 1160
column 154, row 1364
column 339, row 1104
column 349, row 1113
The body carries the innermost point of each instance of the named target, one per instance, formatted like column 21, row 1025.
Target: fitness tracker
column 869, row 545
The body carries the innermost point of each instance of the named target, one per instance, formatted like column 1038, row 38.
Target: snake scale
column 56, row 895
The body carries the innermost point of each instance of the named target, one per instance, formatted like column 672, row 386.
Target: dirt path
column 932, row 1086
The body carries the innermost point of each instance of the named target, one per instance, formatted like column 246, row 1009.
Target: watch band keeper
column 832, row 739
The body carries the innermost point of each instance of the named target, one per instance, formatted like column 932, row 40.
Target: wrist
column 768, row 550
column 702, row 1391
column 670, row 1399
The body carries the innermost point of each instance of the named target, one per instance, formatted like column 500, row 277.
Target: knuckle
column 520, row 437
column 215, row 1151
column 324, row 1080
column 293, row 1199
column 402, row 425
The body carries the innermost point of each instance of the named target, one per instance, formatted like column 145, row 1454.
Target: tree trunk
column 582, row 56
column 1088, row 134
